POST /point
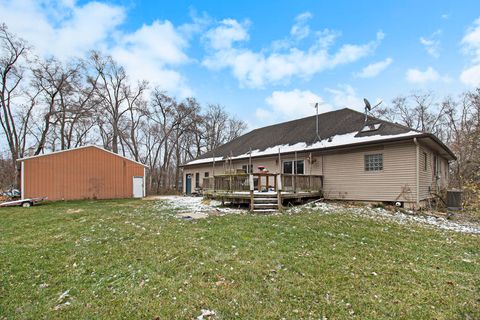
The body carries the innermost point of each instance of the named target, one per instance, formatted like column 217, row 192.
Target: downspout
column 417, row 172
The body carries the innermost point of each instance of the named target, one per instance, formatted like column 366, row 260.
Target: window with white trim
column 374, row 162
column 288, row 167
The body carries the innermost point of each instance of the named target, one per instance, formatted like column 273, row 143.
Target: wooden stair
column 265, row 203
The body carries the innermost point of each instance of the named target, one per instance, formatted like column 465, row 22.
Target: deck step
column 263, row 200
column 265, row 205
column 264, row 195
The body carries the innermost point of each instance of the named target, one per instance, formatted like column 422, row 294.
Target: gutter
column 417, row 171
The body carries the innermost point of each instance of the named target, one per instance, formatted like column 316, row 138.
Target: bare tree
column 114, row 94
column 57, row 84
column 16, row 107
column 464, row 125
column 137, row 110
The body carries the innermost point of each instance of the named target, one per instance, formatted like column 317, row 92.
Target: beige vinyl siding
column 345, row 176
column 270, row 163
column 344, row 173
column 428, row 182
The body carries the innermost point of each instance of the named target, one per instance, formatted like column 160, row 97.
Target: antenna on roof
column 368, row 107
column 315, row 105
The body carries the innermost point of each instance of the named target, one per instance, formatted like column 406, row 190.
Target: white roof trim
column 82, row 147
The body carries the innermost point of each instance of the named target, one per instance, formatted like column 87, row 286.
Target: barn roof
column 78, row 148
column 339, row 128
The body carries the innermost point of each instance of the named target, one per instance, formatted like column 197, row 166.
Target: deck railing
column 263, row 181
column 300, row 182
column 227, row 182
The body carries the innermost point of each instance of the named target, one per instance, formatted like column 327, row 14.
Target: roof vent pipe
column 316, row 131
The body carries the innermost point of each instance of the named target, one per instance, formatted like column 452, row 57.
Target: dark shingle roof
column 332, row 123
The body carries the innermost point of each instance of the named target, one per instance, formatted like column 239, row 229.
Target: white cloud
column 149, row 52
column 345, row 96
column 429, row 75
column 471, row 46
column 295, row 103
column 67, row 29
column 257, row 68
column 62, row 29
column 374, row 69
column 228, row 32
column 432, row 43
column 300, row 29
column 471, row 76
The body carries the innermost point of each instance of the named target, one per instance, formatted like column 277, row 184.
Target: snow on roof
column 206, row 160
column 371, row 127
column 335, row 141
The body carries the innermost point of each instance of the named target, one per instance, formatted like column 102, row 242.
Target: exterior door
column 137, row 187
column 188, row 184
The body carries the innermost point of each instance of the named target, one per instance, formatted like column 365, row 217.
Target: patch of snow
column 396, row 216
column 206, row 160
column 206, row 314
column 197, row 207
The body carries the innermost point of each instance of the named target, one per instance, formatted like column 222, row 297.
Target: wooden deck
column 263, row 192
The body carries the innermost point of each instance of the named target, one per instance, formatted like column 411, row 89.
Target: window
column 299, row 167
column 247, row 168
column 425, row 162
column 197, row 180
column 287, row 167
column 436, row 165
column 206, row 174
column 374, row 162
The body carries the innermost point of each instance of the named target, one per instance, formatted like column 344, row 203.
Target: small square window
column 206, row 174
column 374, row 162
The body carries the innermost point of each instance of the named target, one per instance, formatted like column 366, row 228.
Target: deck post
column 252, row 187
column 278, row 182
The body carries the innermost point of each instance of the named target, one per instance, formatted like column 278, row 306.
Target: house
column 350, row 157
column 87, row 172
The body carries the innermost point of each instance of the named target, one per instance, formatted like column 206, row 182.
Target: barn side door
column 137, row 187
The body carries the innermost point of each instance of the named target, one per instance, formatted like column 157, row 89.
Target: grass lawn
column 132, row 259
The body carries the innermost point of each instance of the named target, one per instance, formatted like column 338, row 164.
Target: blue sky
column 266, row 61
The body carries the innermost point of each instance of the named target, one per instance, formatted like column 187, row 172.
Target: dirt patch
column 192, row 215
column 71, row 211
